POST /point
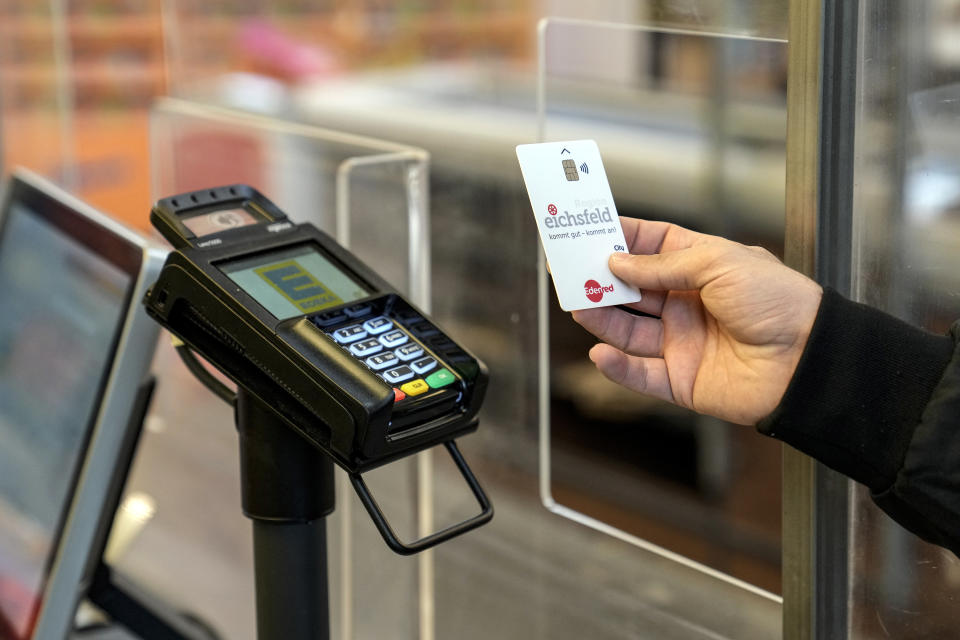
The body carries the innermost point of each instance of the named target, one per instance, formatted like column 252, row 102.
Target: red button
column 398, row 395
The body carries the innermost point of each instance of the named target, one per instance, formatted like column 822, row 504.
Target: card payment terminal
column 285, row 311
column 310, row 332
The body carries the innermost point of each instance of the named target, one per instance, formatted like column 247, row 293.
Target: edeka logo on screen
column 595, row 290
column 298, row 286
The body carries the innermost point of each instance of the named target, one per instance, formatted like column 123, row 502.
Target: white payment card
column 578, row 222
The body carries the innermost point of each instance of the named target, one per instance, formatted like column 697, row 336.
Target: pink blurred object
column 18, row 606
column 283, row 56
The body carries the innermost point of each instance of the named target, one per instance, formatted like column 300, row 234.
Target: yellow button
column 415, row 387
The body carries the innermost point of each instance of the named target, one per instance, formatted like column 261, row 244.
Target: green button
column 440, row 378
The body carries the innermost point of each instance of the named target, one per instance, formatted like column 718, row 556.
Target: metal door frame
column 821, row 99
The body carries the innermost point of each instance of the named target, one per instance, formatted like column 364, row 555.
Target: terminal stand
column 287, row 491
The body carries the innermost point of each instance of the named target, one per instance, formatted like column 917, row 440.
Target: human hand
column 732, row 322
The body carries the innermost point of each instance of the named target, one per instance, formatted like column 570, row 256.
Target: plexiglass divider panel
column 532, row 574
column 906, row 257
column 372, row 221
column 706, row 151
column 372, row 196
column 720, row 17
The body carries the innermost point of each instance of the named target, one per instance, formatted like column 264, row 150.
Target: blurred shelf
column 115, row 55
column 132, row 27
column 85, row 74
column 362, row 38
column 119, row 42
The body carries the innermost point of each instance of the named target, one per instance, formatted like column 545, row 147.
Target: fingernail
column 617, row 257
column 592, row 354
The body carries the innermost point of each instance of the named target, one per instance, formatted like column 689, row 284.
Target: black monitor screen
column 61, row 306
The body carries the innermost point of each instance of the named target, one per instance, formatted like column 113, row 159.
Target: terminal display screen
column 61, row 306
column 294, row 282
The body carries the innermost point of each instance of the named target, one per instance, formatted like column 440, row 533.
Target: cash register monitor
column 75, row 346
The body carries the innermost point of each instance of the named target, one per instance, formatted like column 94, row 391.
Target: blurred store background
column 124, row 101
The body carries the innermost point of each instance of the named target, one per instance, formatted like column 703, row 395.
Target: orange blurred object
column 110, row 151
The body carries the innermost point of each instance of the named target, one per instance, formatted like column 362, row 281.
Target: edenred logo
column 595, row 290
column 552, row 209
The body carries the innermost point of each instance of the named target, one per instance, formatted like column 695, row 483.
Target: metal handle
column 433, row 539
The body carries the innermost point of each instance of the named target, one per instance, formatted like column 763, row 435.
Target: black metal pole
column 290, row 562
column 288, row 490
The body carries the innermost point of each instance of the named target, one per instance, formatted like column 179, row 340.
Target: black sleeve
column 879, row 401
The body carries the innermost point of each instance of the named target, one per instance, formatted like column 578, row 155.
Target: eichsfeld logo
column 556, row 219
column 595, row 290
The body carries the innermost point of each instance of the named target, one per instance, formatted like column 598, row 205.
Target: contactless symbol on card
column 577, row 221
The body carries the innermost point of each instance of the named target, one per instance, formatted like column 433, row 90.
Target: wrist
column 859, row 389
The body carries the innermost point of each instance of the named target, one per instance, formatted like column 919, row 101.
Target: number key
column 409, row 352
column 366, row 347
column 378, row 325
column 393, row 339
column 382, row 361
column 346, row 335
column 398, row 374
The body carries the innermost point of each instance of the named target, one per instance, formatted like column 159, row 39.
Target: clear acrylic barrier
column 531, row 574
column 702, row 145
column 197, row 550
column 906, row 260
column 766, row 19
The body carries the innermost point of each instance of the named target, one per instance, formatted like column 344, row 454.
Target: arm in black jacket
column 879, row 401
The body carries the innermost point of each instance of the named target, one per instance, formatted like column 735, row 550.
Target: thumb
column 682, row 270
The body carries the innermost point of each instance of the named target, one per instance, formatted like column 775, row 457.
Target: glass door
column 905, row 257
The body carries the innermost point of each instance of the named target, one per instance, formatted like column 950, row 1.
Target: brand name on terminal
column 567, row 219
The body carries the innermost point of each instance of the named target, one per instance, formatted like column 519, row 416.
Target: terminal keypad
column 400, row 347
